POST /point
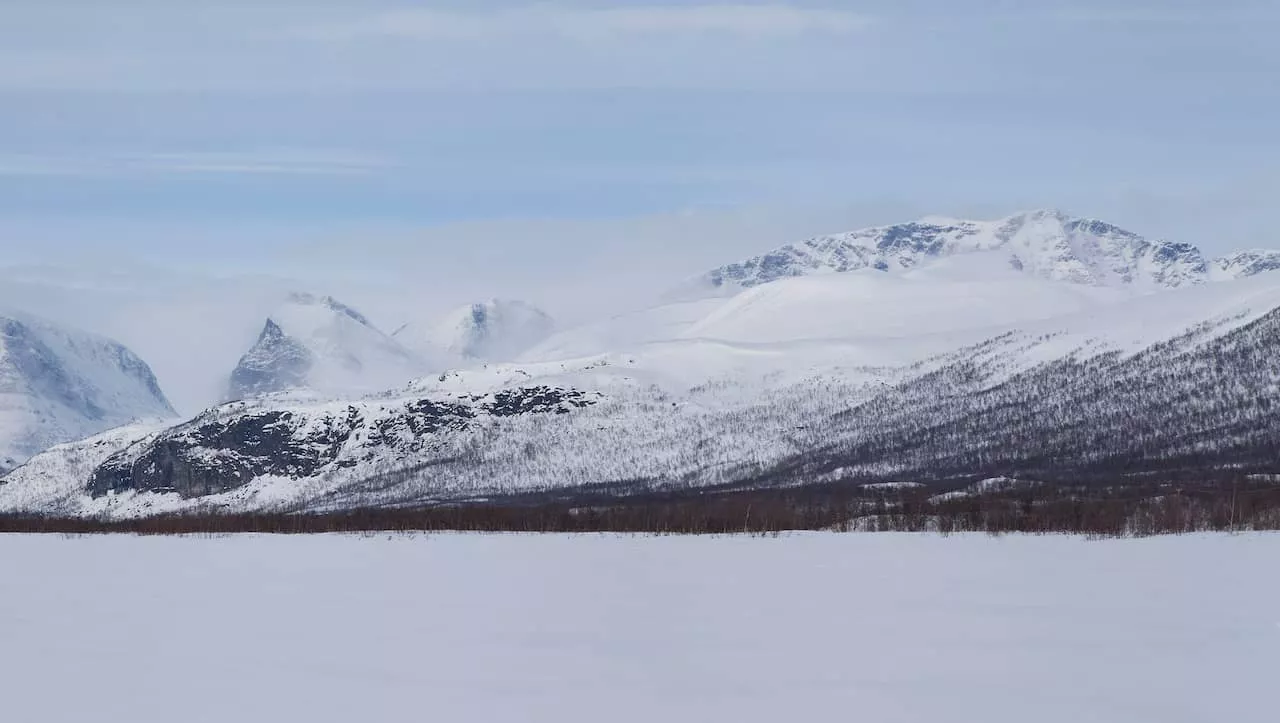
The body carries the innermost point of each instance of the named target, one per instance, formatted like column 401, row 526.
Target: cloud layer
column 323, row 162
column 655, row 23
column 217, row 134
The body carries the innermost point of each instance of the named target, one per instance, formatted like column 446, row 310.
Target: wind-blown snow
column 663, row 322
column 493, row 330
column 888, row 628
column 318, row 343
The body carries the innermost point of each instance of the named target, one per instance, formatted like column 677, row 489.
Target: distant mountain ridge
column 1250, row 262
column 1048, row 244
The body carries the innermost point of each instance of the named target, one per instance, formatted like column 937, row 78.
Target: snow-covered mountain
column 59, row 384
column 1245, row 263
column 1048, row 244
column 1149, row 384
column 1037, row 346
column 493, row 330
column 315, row 342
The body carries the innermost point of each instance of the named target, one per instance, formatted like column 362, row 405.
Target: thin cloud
column 264, row 162
column 1154, row 14
column 736, row 21
column 291, row 162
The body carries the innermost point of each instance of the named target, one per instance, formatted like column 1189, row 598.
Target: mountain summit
column 1048, row 244
column 317, row 342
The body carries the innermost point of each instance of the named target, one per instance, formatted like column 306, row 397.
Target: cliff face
column 231, row 446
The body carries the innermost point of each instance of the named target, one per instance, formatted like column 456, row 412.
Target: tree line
column 1239, row 503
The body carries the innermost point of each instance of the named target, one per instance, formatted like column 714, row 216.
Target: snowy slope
column 53, row 481
column 1046, row 244
column 959, row 297
column 314, row 342
column 493, row 330
column 663, row 322
column 59, row 384
column 951, row 295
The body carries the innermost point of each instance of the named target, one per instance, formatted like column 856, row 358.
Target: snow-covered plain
column 493, row 628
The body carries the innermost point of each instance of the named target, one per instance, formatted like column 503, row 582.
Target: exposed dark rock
column 222, row 452
column 217, row 456
column 1250, row 263
column 536, row 400
column 276, row 363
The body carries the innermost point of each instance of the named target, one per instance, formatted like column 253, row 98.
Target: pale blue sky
column 476, row 145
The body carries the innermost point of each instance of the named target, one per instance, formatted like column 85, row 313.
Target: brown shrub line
column 1096, row 510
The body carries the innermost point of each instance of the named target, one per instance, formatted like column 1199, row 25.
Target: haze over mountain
column 493, row 330
column 900, row 350
column 930, row 276
column 318, row 343
column 59, row 384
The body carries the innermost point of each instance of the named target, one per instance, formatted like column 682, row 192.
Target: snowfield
column 496, row 628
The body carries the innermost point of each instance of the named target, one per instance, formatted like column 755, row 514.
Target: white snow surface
column 942, row 305
column 954, row 295
column 53, row 481
column 892, row 628
column 663, row 322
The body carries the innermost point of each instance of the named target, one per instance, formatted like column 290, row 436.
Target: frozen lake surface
column 888, row 627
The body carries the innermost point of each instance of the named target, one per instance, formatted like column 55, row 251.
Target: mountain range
column 1038, row 345
column 1047, row 244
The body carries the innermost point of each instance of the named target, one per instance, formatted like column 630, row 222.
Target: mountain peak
column 317, row 342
